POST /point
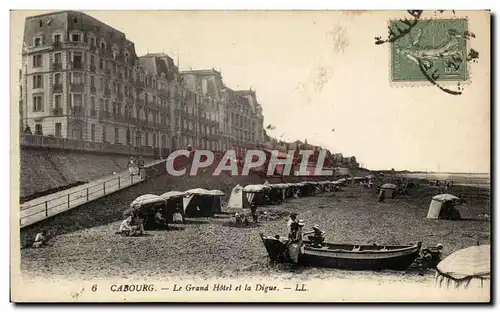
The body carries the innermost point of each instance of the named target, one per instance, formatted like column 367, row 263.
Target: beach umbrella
column 466, row 268
column 389, row 186
column 255, row 188
column 198, row 191
column 172, row 194
column 216, row 193
column 146, row 199
column 445, row 197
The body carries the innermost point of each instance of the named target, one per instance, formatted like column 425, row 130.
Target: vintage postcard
column 250, row 156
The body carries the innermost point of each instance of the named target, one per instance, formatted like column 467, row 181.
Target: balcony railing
column 104, row 115
column 77, row 87
column 57, row 45
column 56, row 66
column 77, row 111
column 57, row 111
column 57, row 88
column 77, row 44
column 119, row 118
column 76, row 65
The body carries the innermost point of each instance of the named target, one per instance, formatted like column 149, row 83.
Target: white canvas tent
column 389, row 189
column 238, row 201
column 437, row 203
column 465, row 269
column 202, row 202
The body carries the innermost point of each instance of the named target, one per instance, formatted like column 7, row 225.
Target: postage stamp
column 433, row 43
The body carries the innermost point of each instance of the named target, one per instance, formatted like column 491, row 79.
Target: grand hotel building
column 81, row 79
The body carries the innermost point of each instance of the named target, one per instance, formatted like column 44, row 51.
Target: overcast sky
column 318, row 71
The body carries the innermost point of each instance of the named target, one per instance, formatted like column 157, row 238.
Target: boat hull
column 342, row 256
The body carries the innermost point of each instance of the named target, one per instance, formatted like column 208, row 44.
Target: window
column 101, row 104
column 117, row 135
column 104, row 134
column 57, row 78
column 77, row 100
column 37, row 61
column 38, row 129
column 92, row 105
column 77, row 57
column 75, row 37
column 57, row 58
column 58, row 129
column 57, row 101
column 92, row 132
column 76, row 78
column 38, row 103
column 126, row 61
column 57, row 38
column 103, row 47
column 92, row 60
column 101, row 64
column 101, row 87
column 37, row 81
column 92, row 41
column 92, row 81
column 38, row 40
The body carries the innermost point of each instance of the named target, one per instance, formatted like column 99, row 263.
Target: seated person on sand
column 41, row 239
column 317, row 238
column 159, row 220
column 128, row 228
column 238, row 219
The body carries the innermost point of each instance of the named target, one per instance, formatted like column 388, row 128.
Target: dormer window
column 75, row 20
column 38, row 41
column 75, row 37
column 115, row 54
column 126, row 57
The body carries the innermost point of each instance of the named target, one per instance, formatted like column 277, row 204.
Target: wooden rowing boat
column 342, row 256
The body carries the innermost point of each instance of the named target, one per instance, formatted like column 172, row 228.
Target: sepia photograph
column 250, row 156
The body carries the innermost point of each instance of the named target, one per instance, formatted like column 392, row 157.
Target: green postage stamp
column 434, row 48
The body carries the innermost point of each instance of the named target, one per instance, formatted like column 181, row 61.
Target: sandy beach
column 85, row 246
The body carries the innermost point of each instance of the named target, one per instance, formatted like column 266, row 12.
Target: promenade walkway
column 44, row 207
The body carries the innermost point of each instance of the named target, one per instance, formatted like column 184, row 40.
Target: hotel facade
column 81, row 79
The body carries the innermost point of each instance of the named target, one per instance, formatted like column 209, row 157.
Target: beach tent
column 465, row 269
column 438, row 202
column 202, row 203
column 146, row 207
column 174, row 209
column 389, row 189
column 238, row 201
column 255, row 188
column 144, row 204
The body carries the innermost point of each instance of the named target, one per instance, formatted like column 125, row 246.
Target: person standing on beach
column 131, row 165
column 293, row 218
